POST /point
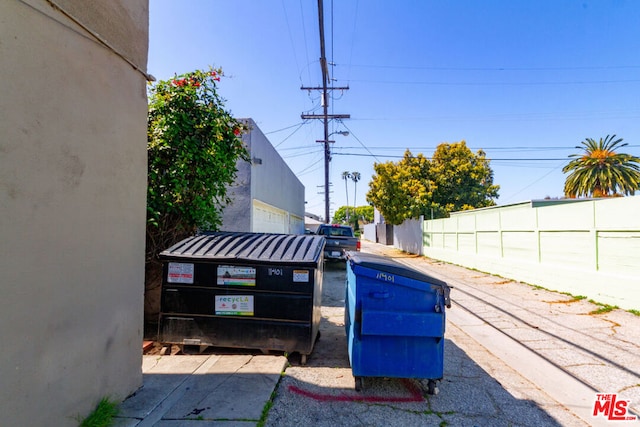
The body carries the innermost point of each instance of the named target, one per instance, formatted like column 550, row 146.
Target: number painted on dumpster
column 384, row 277
column 276, row 272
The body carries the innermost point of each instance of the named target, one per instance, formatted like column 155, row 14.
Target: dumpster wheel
column 359, row 383
column 432, row 388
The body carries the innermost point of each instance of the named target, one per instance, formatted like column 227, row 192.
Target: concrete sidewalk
column 224, row 389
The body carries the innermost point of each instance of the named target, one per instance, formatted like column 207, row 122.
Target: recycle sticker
column 234, row 305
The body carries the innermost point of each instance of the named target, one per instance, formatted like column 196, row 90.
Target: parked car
column 338, row 240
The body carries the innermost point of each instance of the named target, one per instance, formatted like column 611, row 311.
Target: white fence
column 589, row 248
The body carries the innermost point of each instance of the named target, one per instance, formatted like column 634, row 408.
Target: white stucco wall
column 236, row 216
column 267, row 196
column 72, row 208
column 273, row 182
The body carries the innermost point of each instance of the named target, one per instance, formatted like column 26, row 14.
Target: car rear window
column 336, row 231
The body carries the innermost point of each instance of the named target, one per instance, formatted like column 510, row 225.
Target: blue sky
column 524, row 80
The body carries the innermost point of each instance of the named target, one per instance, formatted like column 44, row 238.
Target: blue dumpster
column 394, row 320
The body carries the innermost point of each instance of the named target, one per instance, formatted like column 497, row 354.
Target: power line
column 285, row 128
column 308, row 169
column 441, row 83
column 395, row 156
column 305, row 147
column 604, row 115
column 411, row 67
column 290, row 135
column 353, row 40
column 304, row 37
column 361, row 143
column 534, row 182
column 305, row 153
column 295, row 57
column 513, row 149
column 332, row 39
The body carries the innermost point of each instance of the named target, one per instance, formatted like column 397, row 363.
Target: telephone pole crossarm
column 321, row 88
column 325, row 116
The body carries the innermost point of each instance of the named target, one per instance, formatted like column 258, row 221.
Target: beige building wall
column 72, row 207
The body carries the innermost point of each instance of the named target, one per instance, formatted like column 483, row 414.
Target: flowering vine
column 193, row 147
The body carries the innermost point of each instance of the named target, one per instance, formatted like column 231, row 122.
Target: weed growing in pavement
column 269, row 404
column 574, row 298
column 103, row 415
column 604, row 308
column 635, row 312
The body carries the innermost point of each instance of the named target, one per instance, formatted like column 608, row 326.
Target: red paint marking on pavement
column 416, row 395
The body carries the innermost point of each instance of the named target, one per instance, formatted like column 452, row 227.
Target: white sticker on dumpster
column 234, row 305
column 180, row 272
column 301, row 276
column 234, row 275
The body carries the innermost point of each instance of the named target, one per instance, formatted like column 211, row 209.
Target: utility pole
column 325, row 116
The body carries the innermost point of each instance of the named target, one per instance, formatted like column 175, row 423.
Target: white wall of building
column 267, row 196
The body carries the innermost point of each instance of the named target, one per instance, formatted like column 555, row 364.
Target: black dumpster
column 243, row 290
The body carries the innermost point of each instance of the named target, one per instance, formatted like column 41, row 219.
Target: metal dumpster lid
column 389, row 265
column 249, row 247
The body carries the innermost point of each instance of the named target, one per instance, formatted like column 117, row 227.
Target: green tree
column 463, row 180
column 600, row 171
column 340, row 215
column 401, row 190
column 455, row 179
column 193, row 145
column 363, row 213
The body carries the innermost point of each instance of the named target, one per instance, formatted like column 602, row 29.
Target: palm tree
column 600, row 171
column 346, row 175
column 355, row 176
